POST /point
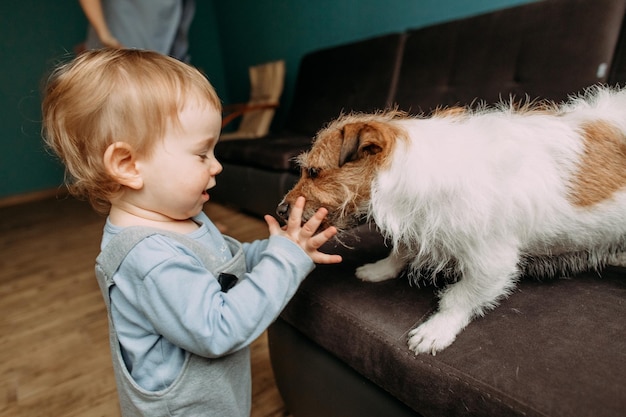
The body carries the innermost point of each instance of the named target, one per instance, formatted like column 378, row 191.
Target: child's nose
column 216, row 168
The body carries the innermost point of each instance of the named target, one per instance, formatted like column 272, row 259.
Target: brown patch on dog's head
column 338, row 171
column 602, row 169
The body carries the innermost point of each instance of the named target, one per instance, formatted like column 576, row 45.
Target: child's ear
column 120, row 163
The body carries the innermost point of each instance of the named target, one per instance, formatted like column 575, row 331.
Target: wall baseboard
column 14, row 200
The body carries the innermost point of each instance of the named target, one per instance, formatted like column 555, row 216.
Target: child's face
column 182, row 167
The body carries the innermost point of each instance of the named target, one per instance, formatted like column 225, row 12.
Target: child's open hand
column 304, row 235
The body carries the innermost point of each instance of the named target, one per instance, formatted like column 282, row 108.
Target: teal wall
column 31, row 37
column 226, row 38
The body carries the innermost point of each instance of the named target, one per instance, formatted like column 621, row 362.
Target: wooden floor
column 54, row 354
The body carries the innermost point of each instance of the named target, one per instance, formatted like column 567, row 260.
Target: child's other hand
column 304, row 235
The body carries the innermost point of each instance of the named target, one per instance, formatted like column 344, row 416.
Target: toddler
column 136, row 131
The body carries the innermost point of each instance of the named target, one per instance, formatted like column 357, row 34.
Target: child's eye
column 203, row 156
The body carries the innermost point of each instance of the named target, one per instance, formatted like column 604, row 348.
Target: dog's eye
column 313, row 172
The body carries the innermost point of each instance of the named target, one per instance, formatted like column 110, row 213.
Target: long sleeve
column 165, row 303
column 184, row 303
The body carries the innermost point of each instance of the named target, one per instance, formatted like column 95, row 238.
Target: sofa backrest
column 617, row 75
column 546, row 50
column 359, row 76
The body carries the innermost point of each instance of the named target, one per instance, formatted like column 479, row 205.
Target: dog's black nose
column 283, row 210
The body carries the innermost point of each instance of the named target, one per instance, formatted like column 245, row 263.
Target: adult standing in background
column 158, row 25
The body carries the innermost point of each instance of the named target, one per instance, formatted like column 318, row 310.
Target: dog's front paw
column 382, row 270
column 375, row 272
column 372, row 273
column 436, row 334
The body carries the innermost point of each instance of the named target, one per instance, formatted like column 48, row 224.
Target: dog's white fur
column 491, row 194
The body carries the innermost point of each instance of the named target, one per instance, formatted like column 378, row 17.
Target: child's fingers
column 324, row 258
column 295, row 216
column 272, row 224
column 311, row 226
column 322, row 237
column 330, row 232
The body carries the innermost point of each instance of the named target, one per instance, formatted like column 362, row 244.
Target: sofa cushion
column 547, row 50
column 358, row 76
column 552, row 348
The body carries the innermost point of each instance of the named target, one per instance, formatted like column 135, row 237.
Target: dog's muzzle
column 283, row 211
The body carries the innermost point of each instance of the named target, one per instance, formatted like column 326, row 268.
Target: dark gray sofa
column 555, row 348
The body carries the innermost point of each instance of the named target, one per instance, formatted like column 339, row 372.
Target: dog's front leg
column 479, row 289
column 386, row 268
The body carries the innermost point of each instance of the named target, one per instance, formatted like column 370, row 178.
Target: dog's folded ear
column 359, row 140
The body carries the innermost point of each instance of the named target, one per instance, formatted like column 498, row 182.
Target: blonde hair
column 110, row 95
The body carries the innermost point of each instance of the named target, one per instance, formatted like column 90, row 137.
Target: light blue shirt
column 164, row 302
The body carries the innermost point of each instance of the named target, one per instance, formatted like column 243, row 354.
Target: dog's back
column 550, row 178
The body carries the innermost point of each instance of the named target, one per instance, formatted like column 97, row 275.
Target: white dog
column 485, row 195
